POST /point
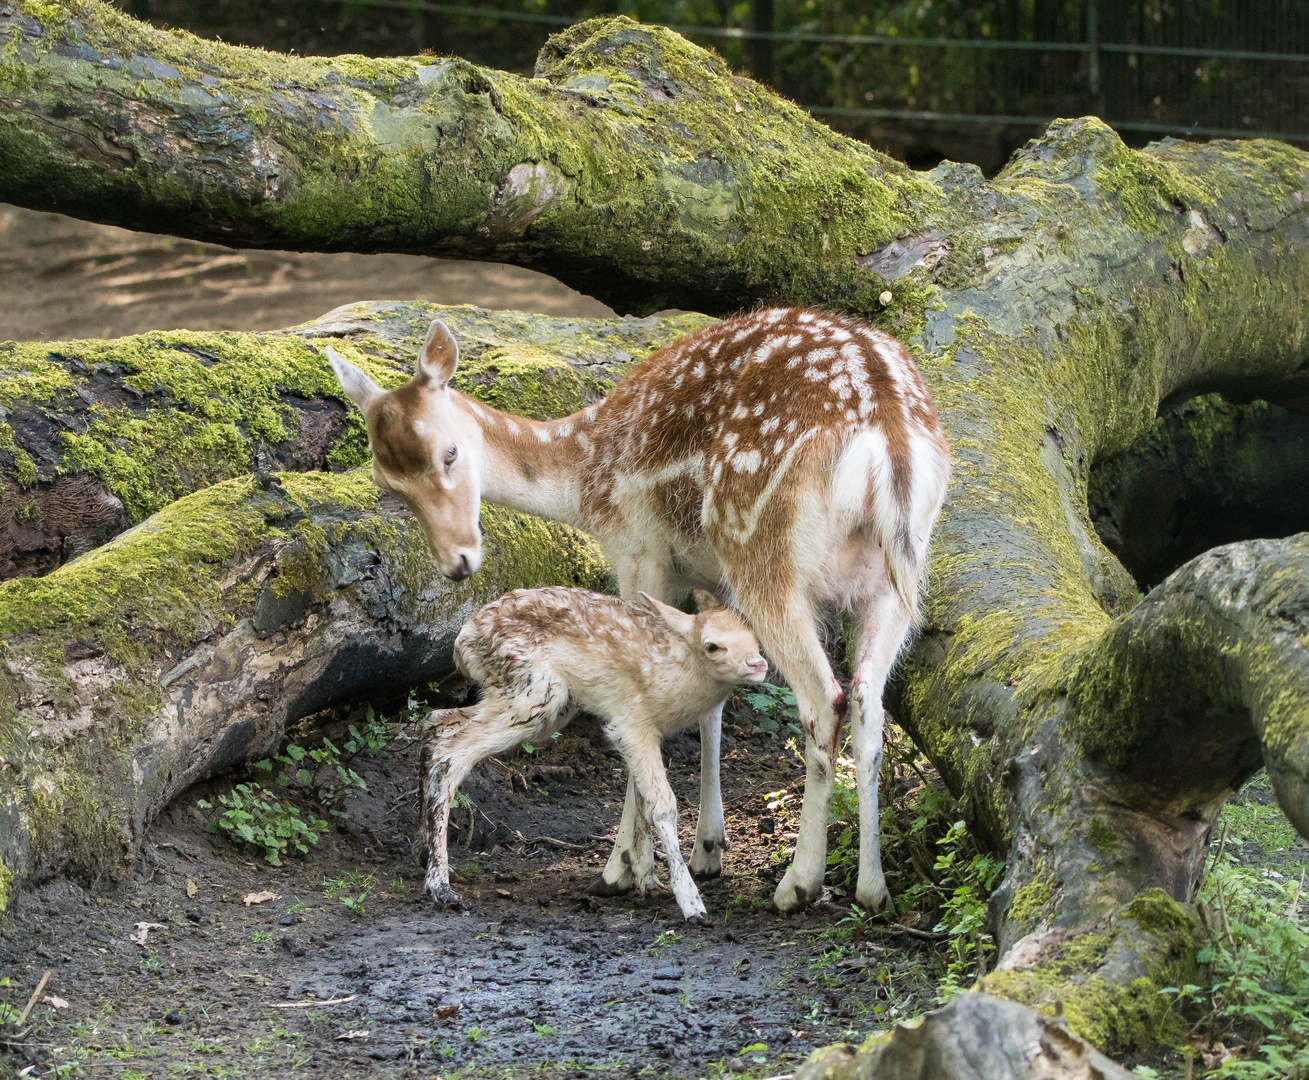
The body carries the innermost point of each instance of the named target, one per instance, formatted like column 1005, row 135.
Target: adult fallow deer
column 791, row 457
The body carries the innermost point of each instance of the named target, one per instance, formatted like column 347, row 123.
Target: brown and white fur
column 791, row 457
column 539, row 655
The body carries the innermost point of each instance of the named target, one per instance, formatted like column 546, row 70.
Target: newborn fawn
column 542, row 654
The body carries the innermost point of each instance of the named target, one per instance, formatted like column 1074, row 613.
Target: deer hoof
column 791, row 896
column 600, row 887
column 707, row 859
column 875, row 900
column 446, row 897
column 698, row 918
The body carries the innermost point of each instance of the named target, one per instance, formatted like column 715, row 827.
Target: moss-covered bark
column 186, row 645
column 98, row 435
column 1055, row 310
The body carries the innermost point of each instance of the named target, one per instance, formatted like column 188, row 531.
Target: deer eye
column 451, row 453
column 711, row 647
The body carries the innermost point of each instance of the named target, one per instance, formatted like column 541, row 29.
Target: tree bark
column 98, row 435
column 1055, row 310
column 185, row 646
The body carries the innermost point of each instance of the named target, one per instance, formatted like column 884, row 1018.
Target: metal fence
column 1214, row 69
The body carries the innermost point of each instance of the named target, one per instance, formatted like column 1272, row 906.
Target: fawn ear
column 705, row 601
column 439, row 356
column 677, row 621
column 358, row 387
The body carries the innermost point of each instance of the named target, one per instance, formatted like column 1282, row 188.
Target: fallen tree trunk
column 98, row 435
column 1055, row 311
column 185, row 646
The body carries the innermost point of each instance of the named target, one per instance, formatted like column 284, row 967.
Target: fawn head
column 719, row 638
column 426, row 449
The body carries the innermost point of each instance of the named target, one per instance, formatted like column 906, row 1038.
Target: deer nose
column 462, row 568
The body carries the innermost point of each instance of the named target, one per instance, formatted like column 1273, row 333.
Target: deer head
column 718, row 638
column 427, row 449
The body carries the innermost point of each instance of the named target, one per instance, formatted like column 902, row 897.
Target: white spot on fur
column 747, row 461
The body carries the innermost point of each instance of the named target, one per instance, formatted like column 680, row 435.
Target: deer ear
column 705, row 601
column 439, row 356
column 358, row 387
column 677, row 621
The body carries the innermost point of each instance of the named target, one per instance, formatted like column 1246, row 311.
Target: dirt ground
column 536, row 974
column 63, row 279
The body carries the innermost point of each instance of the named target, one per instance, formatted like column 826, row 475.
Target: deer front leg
column 711, row 827
column 788, row 632
column 883, row 628
column 631, row 863
column 657, row 805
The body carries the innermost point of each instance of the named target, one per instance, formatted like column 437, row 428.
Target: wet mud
column 536, row 974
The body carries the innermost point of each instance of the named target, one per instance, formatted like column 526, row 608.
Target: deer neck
column 531, row 465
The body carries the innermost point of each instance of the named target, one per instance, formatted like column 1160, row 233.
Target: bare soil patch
column 536, row 974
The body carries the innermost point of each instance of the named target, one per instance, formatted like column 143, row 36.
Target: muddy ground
column 535, row 974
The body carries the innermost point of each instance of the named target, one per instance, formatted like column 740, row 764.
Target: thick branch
column 186, row 646
column 636, row 167
column 1208, row 677
column 98, row 435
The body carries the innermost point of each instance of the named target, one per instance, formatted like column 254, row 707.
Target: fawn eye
column 450, row 455
column 711, row 647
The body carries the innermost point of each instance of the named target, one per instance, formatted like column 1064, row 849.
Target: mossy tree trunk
column 187, row 644
column 98, row 435
column 1055, row 311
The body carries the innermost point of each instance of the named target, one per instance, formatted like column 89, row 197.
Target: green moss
column 529, row 383
column 6, row 879
column 1032, row 899
column 1088, row 978
column 1102, row 838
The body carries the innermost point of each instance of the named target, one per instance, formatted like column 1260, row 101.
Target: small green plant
column 661, row 942
column 261, row 937
column 369, row 739
column 344, row 888
column 969, row 879
column 775, row 709
column 541, row 1031
column 475, row 1035
column 253, row 816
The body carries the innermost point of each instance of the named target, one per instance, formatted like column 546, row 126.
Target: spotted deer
column 789, row 457
column 540, row 655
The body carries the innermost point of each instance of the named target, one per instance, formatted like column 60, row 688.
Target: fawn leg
column 631, row 863
column 711, row 828
column 658, row 804
column 441, row 734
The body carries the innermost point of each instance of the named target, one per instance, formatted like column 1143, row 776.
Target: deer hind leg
column 631, row 863
column 788, row 632
column 711, row 828
column 657, row 804
column 883, row 628
column 455, row 740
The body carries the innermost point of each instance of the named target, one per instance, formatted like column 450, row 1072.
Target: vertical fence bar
column 1093, row 47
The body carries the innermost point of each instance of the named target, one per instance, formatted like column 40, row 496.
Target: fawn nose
column 758, row 667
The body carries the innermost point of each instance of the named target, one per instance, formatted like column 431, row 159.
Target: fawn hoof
column 446, row 897
column 790, row 895
column 697, row 918
column 600, row 887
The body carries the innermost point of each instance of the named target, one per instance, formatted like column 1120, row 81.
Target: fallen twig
column 22, row 1017
column 926, row 935
column 309, row 1004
